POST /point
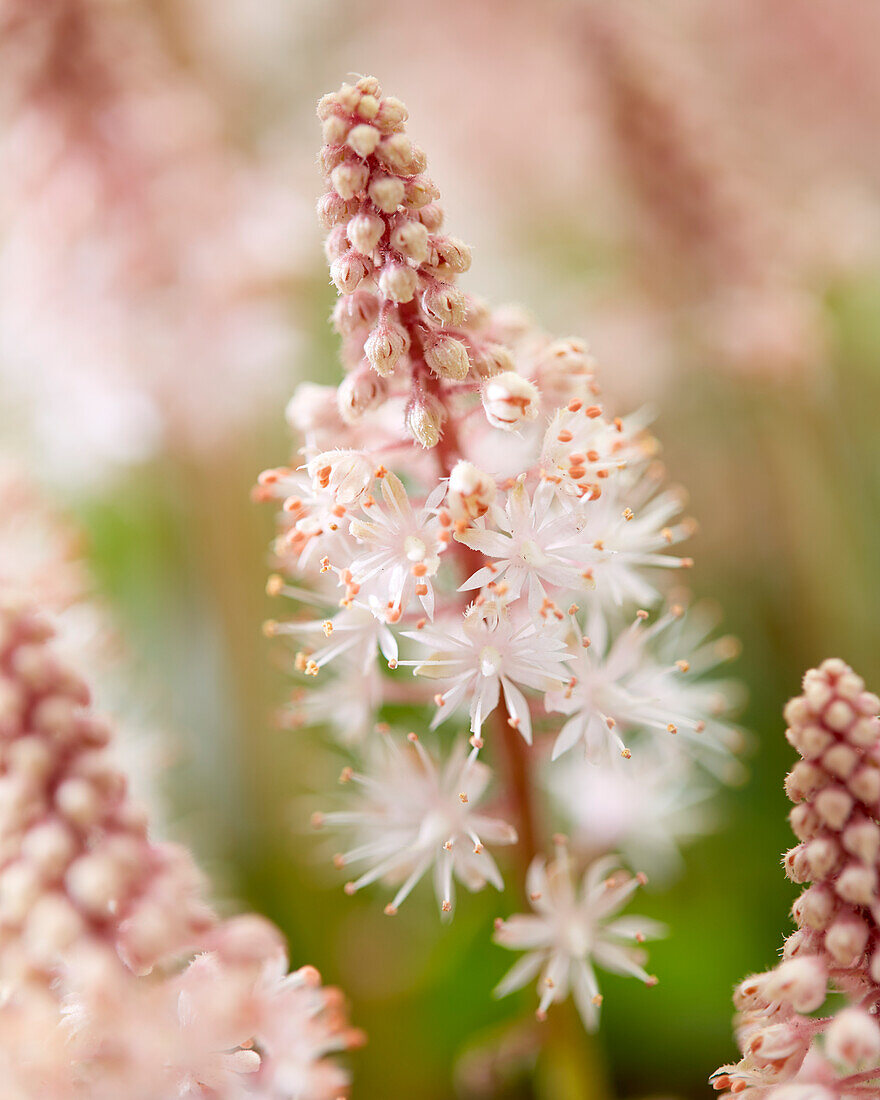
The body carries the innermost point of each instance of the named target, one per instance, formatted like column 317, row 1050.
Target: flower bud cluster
column 407, row 329
column 835, row 728
column 95, row 918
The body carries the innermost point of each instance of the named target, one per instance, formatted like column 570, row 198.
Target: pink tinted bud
column 509, row 400
column 312, row 406
column 398, row 282
column 385, row 345
column 447, row 358
column 396, row 152
column 420, row 191
column 364, row 233
column 336, row 244
column 410, row 238
column 815, row 908
column 857, row 884
column 775, row 1042
column 334, row 130
column 445, row 304
column 846, row 939
column 853, row 1039
column 862, row 839
column 833, row 805
column 431, row 216
column 425, row 415
column 354, row 313
column 471, row 492
column 346, row 474
column 349, row 271
column 333, row 210
column 452, row 253
column 801, row 983
column 490, row 359
column 391, row 113
column 359, row 391
column 349, row 179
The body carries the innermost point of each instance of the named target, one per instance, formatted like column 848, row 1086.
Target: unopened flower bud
column 425, row 415
column 509, row 400
column 387, row 342
column 410, row 238
column 364, row 233
column 333, row 210
column 363, row 139
column 349, row 179
column 391, row 114
column 853, row 1039
column 471, row 492
column 349, row 271
column 846, row 939
column 356, row 312
column 447, row 358
column 562, row 368
column 801, row 983
column 445, row 304
column 490, row 359
column 452, row 252
column 398, row 282
column 387, row 192
column 336, row 244
column 431, row 216
column 346, row 474
column 334, row 130
column 419, row 191
column 396, row 152
column 359, row 391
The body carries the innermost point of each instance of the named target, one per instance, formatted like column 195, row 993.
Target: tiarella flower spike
column 466, row 508
column 836, row 817
column 104, row 994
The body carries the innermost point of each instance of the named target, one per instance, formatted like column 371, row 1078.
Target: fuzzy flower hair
column 787, row 1053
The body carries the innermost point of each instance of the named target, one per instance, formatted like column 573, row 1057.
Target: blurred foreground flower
column 118, row 978
column 467, row 456
column 789, row 1054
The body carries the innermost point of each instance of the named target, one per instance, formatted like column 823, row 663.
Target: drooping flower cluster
column 117, row 977
column 465, row 506
column 127, row 214
column 787, row 1053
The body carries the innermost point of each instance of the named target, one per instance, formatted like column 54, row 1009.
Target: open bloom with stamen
column 532, row 542
column 401, row 548
column 415, row 815
column 358, row 628
column 572, row 929
column 620, row 684
column 489, row 652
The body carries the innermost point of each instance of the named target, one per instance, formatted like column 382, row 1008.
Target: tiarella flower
column 619, row 685
column 645, row 808
column 571, row 930
column 357, row 629
column 401, row 548
column 489, row 652
column 534, row 543
column 582, row 447
column 414, row 816
column 347, row 702
column 313, row 523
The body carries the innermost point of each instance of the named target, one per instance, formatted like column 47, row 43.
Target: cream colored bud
column 359, row 391
column 345, row 474
column 419, row 192
column 387, row 192
column 95, row 882
column 453, row 252
column 385, row 345
column 364, row 233
column 846, row 940
column 424, row 419
column 49, row 847
column 398, row 282
column 363, row 139
column 349, row 271
column 396, row 152
column 447, row 358
column 78, row 801
column 833, row 805
column 857, row 884
column 862, row 839
column 349, row 179
column 410, row 238
column 445, row 304
column 348, row 97
column 312, row 406
column 53, row 924
column 334, row 130
column 354, row 313
column 368, row 107
column 431, row 216
column 510, row 400
column 471, row 491
column 853, row 1039
column 391, row 114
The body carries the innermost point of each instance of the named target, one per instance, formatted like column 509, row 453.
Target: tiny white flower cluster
column 466, row 507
